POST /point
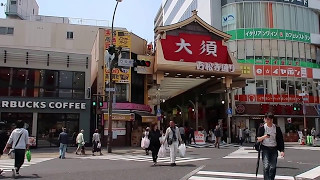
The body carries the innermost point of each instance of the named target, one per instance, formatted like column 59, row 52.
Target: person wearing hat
column 3, row 140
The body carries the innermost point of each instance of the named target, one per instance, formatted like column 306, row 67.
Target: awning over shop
column 147, row 117
column 119, row 116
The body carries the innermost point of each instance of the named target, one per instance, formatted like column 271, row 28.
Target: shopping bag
column 182, row 150
column 145, row 142
column 162, row 152
column 28, row 155
column 99, row 145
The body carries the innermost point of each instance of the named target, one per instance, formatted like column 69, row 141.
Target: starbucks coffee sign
column 42, row 105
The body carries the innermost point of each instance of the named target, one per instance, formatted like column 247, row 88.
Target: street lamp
column 111, row 51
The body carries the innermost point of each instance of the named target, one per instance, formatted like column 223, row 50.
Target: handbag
column 11, row 153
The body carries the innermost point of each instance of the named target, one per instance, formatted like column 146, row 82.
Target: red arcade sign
column 193, row 48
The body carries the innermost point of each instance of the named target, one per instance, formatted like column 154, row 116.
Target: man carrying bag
column 19, row 142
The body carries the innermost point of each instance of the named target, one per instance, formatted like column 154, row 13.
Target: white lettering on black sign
column 42, row 105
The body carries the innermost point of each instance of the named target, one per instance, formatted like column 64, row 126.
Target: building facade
column 47, row 71
column 277, row 41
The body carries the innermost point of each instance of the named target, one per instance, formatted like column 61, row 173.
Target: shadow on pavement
column 178, row 165
column 34, row 176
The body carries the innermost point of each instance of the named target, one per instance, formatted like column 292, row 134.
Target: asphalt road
column 138, row 166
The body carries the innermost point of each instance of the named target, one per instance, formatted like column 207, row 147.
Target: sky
column 135, row 15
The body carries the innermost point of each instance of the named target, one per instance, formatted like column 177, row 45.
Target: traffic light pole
column 109, row 143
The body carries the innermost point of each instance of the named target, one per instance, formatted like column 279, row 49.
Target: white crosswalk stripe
column 210, row 145
column 215, row 175
column 143, row 158
column 244, row 153
column 7, row 164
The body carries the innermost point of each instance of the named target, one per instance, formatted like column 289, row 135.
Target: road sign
column 125, row 62
column 229, row 111
column 111, row 89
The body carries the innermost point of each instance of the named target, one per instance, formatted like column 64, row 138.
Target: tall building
column 277, row 40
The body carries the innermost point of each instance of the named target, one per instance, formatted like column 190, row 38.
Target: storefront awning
column 147, row 117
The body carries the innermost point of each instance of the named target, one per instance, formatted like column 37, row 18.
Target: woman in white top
column 146, row 134
column 96, row 143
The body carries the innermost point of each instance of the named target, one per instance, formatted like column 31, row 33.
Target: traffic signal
column 100, row 101
column 94, row 101
column 112, row 50
column 99, row 120
column 296, row 107
column 142, row 63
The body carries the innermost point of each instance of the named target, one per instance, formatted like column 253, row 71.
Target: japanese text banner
column 193, row 48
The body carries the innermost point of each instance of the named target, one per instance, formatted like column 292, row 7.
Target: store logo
column 42, row 105
column 245, row 69
column 228, row 19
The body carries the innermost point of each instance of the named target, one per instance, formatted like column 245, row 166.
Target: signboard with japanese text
column 274, row 98
column 119, row 75
column 266, row 33
column 123, row 39
column 108, row 38
column 193, row 48
column 206, row 66
column 284, row 71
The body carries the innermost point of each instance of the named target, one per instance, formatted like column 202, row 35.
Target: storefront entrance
column 50, row 126
column 10, row 120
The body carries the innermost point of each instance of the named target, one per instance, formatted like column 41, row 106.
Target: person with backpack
column 271, row 138
column 173, row 138
column 19, row 143
column 217, row 134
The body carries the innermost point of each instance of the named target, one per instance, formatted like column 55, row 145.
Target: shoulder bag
column 11, row 153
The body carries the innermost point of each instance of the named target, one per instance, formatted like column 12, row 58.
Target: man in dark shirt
column 63, row 139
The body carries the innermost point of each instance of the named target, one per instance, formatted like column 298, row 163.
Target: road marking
column 244, row 153
column 305, row 148
column 7, row 164
column 232, row 174
column 311, row 174
column 210, row 178
column 192, row 173
column 140, row 158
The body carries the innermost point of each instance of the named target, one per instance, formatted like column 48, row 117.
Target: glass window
column 286, row 12
column 69, row 35
column 13, row 2
column 248, row 15
column 78, row 94
column 19, row 78
column 260, row 87
column 121, row 93
column 240, row 15
column 10, row 30
column 65, row 79
column 79, row 80
column 65, row 93
column 284, row 86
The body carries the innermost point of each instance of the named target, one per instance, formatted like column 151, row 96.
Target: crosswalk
column 218, row 175
column 7, row 164
column 143, row 158
column 244, row 153
column 210, row 145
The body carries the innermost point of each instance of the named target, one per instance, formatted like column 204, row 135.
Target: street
column 228, row 162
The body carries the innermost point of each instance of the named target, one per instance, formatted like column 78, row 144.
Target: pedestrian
column 240, row 135
column 187, row 135
column 182, row 133
column 3, row 140
column 63, row 139
column 154, row 146
column 191, row 136
column 19, row 142
column 270, row 135
column 96, row 142
column 146, row 134
column 217, row 134
column 247, row 135
column 173, row 138
column 80, row 142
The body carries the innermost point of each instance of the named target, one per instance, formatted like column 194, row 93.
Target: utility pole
column 112, row 51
